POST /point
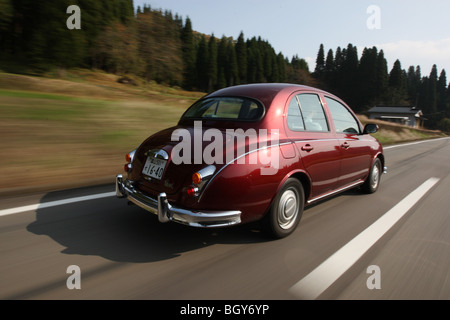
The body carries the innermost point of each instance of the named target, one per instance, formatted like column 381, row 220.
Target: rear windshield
column 225, row 108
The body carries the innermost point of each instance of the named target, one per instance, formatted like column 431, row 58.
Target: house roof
column 396, row 110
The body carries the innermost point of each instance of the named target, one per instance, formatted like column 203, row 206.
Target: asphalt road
column 124, row 253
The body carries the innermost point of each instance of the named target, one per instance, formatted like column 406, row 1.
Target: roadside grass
column 76, row 126
column 391, row 133
column 50, row 138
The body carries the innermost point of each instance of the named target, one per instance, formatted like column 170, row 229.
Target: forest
column 160, row 46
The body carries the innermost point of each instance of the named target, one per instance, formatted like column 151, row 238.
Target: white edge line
column 321, row 278
column 37, row 206
column 412, row 143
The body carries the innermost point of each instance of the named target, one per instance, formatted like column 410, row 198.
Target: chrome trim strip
column 335, row 191
column 132, row 154
column 206, row 172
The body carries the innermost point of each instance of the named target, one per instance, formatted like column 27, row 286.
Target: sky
column 415, row 32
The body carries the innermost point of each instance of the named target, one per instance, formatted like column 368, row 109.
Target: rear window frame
column 260, row 105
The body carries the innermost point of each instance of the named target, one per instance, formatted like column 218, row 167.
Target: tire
column 373, row 180
column 286, row 210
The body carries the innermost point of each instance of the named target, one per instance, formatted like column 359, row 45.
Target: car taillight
column 192, row 191
column 127, row 167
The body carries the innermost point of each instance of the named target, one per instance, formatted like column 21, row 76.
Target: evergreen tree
column 281, row 62
column 381, row 83
column 241, row 58
column 397, row 82
column 231, row 71
column 329, row 68
column 367, row 78
column 202, row 64
column 212, row 63
column 395, row 76
column 320, row 62
column 222, row 63
column 441, row 92
column 188, row 47
column 348, row 75
column 432, row 89
column 412, row 85
column 255, row 72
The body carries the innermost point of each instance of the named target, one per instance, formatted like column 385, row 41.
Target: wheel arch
column 304, row 179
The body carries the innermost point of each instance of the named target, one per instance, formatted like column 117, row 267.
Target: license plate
column 154, row 168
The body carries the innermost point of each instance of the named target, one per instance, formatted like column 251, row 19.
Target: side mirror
column 370, row 128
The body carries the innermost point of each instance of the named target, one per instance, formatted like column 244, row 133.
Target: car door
column 307, row 126
column 355, row 151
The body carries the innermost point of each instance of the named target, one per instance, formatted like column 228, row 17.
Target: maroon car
column 253, row 152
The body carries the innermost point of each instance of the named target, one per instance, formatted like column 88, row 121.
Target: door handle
column 345, row 145
column 307, row 148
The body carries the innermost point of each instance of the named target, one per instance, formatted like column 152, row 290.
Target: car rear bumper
column 167, row 212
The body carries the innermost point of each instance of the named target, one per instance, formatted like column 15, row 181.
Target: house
column 406, row 115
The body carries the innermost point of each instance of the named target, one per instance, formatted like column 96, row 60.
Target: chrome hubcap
column 287, row 209
column 375, row 176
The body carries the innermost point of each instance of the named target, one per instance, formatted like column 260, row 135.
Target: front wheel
column 286, row 210
column 373, row 180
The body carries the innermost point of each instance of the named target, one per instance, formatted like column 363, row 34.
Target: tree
column 6, row 20
column 329, row 68
column 188, row 48
column 160, row 47
column 381, row 82
column 397, row 85
column 212, row 63
column 231, row 71
column 432, row 90
column 241, row 58
column 413, row 79
column 320, row 62
column 367, row 78
column 298, row 71
column 117, row 49
column 281, row 67
column 202, row 64
column 348, row 74
column 255, row 72
column 441, row 92
column 222, row 63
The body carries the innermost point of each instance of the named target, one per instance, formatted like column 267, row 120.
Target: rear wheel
column 286, row 210
column 373, row 180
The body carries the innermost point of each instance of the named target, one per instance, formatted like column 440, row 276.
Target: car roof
column 264, row 92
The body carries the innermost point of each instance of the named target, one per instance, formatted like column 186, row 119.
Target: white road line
column 412, row 143
column 37, row 206
column 316, row 282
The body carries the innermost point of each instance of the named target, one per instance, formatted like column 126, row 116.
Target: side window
column 342, row 118
column 312, row 111
column 294, row 116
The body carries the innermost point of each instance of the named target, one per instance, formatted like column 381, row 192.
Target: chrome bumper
column 166, row 212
